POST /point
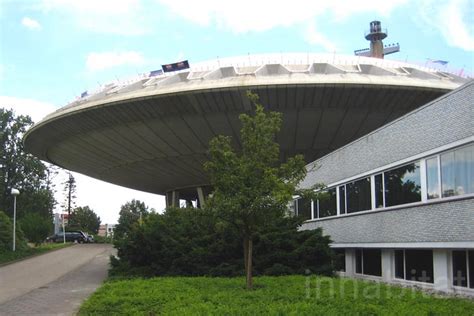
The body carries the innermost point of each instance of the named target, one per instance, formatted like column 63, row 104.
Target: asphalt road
column 55, row 283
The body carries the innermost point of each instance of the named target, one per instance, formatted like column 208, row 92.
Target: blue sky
column 52, row 50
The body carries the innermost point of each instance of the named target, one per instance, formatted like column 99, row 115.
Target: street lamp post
column 14, row 192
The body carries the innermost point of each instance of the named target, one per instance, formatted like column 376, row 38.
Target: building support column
column 201, row 200
column 175, row 198
column 442, row 279
column 387, row 265
column 350, row 262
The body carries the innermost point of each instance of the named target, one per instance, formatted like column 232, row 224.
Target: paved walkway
column 55, row 283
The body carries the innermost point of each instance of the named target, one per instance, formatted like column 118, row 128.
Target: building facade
column 400, row 200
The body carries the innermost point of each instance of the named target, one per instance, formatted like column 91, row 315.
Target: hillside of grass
column 284, row 295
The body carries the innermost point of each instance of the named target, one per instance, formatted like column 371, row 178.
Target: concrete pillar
column 350, row 262
column 442, row 278
column 387, row 265
column 200, row 193
column 175, row 199
column 168, row 199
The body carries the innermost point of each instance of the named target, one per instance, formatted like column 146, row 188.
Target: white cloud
column 104, row 60
column 313, row 37
column 36, row 109
column 452, row 19
column 249, row 15
column 30, row 23
column 123, row 17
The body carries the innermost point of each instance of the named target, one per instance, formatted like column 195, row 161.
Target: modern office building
column 400, row 199
column 152, row 133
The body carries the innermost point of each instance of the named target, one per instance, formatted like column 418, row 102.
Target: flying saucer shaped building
column 152, row 133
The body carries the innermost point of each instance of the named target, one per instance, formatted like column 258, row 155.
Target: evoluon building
column 152, row 134
column 401, row 198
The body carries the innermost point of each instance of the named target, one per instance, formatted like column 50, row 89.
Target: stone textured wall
column 440, row 222
column 443, row 121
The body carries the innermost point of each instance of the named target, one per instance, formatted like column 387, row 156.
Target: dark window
column 402, row 185
column 399, row 264
column 457, row 171
column 304, row 208
column 471, row 268
column 358, row 260
column 432, row 178
column 459, row 268
column 358, row 195
column 327, row 204
column 372, row 262
column 342, row 199
column 340, row 259
column 378, row 191
column 419, row 265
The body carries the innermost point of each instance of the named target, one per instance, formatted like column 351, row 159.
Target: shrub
column 192, row 242
column 6, row 234
column 36, row 227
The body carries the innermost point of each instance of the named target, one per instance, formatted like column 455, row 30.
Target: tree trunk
column 246, row 249
column 249, row 264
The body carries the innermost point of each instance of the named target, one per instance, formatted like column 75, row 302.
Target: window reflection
column 432, row 178
column 378, row 191
column 327, row 205
column 304, row 208
column 457, row 171
column 403, row 185
column 358, row 195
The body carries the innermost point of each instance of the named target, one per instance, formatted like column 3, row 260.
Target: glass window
column 358, row 195
column 432, row 178
column 358, row 261
column 419, row 265
column 457, row 171
column 471, row 268
column 327, row 204
column 403, row 185
column 304, row 208
column 292, row 207
column 399, row 264
column 378, row 191
column 447, row 174
column 372, row 262
column 342, row 199
column 459, row 268
column 340, row 259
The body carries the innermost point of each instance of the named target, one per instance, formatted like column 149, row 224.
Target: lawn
column 8, row 255
column 287, row 295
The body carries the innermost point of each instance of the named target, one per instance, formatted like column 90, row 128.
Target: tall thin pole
column 14, row 222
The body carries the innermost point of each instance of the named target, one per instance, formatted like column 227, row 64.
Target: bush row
column 192, row 242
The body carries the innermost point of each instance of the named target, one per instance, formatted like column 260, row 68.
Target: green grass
column 8, row 255
column 288, row 295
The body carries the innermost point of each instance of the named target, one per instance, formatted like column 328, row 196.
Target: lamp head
column 15, row 192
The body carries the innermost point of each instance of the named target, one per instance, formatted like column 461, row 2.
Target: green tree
column 36, row 227
column 21, row 170
column 85, row 219
column 69, row 193
column 130, row 213
column 252, row 188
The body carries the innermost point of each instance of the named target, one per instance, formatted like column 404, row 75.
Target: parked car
column 75, row 236
column 90, row 238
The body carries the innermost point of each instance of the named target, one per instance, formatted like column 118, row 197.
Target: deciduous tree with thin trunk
column 252, row 188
